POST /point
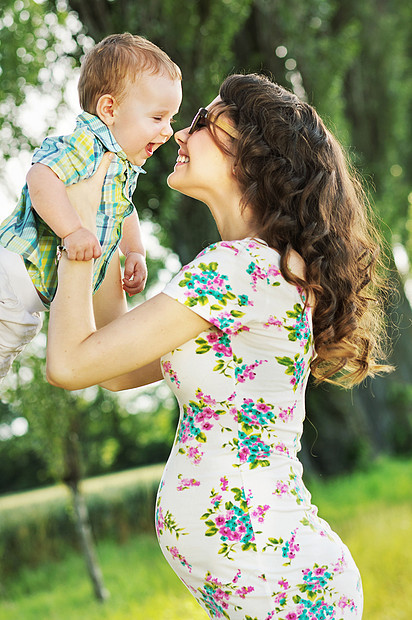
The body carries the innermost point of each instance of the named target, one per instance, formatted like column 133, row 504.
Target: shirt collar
column 103, row 133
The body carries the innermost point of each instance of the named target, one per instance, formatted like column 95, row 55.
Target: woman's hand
column 85, row 196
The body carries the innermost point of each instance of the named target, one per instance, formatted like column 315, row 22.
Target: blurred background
column 352, row 61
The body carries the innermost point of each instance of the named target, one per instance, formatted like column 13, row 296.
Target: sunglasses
column 204, row 116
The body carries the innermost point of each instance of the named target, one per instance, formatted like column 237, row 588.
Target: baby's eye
column 157, row 118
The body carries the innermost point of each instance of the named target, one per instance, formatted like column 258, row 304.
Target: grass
column 140, row 582
column 371, row 511
column 98, row 484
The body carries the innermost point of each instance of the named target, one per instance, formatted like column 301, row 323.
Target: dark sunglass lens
column 199, row 120
column 194, row 123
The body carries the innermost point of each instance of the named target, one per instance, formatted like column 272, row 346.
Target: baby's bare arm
column 135, row 270
column 49, row 199
column 132, row 235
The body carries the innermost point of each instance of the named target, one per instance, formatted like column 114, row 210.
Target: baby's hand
column 82, row 245
column 135, row 273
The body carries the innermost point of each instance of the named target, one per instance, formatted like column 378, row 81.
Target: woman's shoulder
column 242, row 263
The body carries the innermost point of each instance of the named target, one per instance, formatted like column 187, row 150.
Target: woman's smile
column 182, row 159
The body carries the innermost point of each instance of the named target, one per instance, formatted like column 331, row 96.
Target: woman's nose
column 182, row 135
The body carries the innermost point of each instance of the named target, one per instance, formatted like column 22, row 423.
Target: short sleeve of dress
column 216, row 285
column 70, row 157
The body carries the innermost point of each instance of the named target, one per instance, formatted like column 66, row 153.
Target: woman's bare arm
column 80, row 356
column 109, row 302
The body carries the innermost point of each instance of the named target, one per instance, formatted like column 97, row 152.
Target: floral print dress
column 233, row 517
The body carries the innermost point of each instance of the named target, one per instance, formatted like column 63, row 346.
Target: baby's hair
column 117, row 60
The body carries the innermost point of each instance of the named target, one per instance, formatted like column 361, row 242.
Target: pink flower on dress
column 274, row 271
column 263, row 407
column 190, row 294
column 346, row 602
column 340, row 565
column 282, row 448
column 208, row 400
column 186, row 483
column 168, row 370
column 224, row 483
column 160, row 521
column 281, row 488
column 287, row 414
column 195, row 455
column 236, row 577
column 272, row 322
column 230, row 246
column 260, row 512
column 245, row 590
column 244, row 454
column 174, row 551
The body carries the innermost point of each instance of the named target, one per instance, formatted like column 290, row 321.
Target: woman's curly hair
column 295, row 176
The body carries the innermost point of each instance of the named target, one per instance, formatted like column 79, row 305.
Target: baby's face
column 142, row 120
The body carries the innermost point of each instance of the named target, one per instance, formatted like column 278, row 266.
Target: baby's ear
column 105, row 109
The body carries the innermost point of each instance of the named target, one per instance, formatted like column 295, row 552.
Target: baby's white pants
column 20, row 309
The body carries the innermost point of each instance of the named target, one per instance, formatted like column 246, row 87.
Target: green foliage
column 31, row 47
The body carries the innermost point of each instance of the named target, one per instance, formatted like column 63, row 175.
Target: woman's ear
column 106, row 109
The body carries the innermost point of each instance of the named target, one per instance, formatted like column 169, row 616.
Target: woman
column 232, row 334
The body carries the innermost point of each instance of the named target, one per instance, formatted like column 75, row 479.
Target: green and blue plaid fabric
column 72, row 158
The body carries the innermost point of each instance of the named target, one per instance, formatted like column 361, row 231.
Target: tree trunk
column 86, row 540
column 72, row 478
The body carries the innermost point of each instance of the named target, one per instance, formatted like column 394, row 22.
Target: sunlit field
column 371, row 511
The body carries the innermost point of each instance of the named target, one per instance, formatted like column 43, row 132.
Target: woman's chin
column 169, row 180
column 172, row 181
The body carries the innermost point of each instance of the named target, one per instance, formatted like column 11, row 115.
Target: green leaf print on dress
column 167, row 522
column 289, row 547
column 300, row 330
column 294, row 367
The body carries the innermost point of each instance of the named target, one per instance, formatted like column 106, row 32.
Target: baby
column 129, row 90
